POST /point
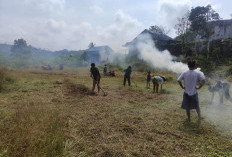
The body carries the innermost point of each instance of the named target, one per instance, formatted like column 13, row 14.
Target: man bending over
column 223, row 89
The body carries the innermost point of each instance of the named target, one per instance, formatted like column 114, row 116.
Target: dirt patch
column 73, row 88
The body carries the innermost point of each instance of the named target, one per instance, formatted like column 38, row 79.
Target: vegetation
column 159, row 29
column 50, row 114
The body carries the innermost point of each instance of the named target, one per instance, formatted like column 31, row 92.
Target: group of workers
column 95, row 74
column 192, row 81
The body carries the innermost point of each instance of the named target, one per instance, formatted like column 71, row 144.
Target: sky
column 73, row 24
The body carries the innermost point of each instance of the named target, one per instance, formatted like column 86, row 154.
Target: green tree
column 182, row 29
column 159, row 29
column 200, row 18
column 91, row 45
column 21, row 53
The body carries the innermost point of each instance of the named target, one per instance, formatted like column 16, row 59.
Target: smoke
column 219, row 115
column 158, row 59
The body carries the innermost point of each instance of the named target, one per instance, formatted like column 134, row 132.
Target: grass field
column 53, row 114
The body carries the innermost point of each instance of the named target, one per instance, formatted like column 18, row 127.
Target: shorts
column 190, row 101
column 96, row 80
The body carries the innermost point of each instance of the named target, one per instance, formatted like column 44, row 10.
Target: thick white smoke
column 161, row 60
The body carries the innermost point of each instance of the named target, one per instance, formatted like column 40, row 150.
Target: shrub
column 5, row 79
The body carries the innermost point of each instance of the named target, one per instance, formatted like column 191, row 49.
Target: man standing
column 127, row 75
column 190, row 97
column 105, row 70
column 148, row 79
column 96, row 77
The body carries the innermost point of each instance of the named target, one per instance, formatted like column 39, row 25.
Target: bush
column 5, row 79
column 2, row 76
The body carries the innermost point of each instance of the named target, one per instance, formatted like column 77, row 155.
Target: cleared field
column 53, row 114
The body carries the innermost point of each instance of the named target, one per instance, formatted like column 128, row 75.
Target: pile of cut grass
column 74, row 88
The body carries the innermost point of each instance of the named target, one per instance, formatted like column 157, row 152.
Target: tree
column 159, row 29
column 183, row 24
column 182, row 27
column 84, row 56
column 20, row 47
column 200, row 18
column 21, row 53
column 91, row 45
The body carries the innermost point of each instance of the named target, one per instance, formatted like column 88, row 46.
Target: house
column 99, row 54
column 154, row 36
column 161, row 41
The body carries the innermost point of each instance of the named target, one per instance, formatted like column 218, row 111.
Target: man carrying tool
column 127, row 76
column 96, row 77
column 223, row 89
column 156, row 81
column 190, row 97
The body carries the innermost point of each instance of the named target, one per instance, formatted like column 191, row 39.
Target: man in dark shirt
column 105, row 70
column 127, row 75
column 223, row 89
column 96, row 77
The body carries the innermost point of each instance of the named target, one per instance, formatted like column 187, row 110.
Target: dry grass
column 73, row 88
column 45, row 114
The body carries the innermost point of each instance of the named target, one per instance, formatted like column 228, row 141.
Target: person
column 127, row 75
column 156, row 81
column 96, row 77
column 190, row 97
column 148, row 79
column 112, row 73
column 105, row 70
column 223, row 89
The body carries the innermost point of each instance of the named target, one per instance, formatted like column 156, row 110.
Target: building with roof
column 161, row 41
column 99, row 54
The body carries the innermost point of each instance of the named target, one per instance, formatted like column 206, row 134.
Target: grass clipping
column 72, row 88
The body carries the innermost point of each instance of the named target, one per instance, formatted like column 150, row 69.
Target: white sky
column 73, row 24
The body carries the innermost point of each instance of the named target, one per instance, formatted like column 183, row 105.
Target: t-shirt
column 105, row 69
column 191, row 78
column 95, row 73
column 158, row 78
column 148, row 77
column 127, row 72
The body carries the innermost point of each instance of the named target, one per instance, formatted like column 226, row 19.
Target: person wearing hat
column 190, row 97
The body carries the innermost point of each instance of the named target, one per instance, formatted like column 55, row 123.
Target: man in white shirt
column 190, row 98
